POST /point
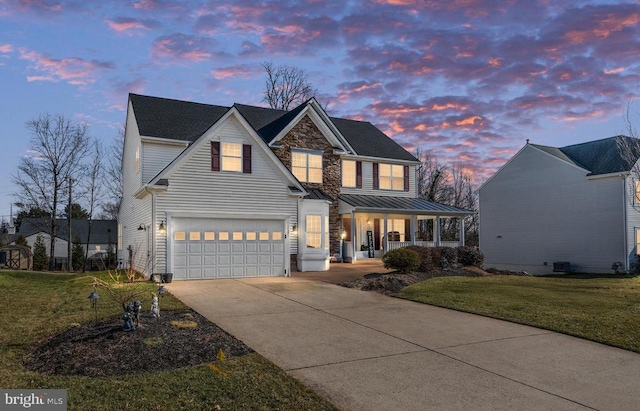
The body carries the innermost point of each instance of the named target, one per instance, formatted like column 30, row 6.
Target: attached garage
column 203, row 248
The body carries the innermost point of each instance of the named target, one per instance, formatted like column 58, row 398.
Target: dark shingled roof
column 399, row 205
column 174, row 119
column 100, row 233
column 183, row 120
column 609, row 155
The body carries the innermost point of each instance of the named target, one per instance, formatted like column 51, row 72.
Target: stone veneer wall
column 305, row 135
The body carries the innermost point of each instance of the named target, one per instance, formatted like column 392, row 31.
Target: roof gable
column 187, row 153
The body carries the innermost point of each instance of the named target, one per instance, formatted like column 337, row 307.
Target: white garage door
column 225, row 248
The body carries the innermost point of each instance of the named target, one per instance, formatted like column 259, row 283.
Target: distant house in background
column 550, row 206
column 104, row 233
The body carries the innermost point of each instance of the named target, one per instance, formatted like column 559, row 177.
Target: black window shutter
column 376, row 182
column 246, row 158
column 358, row 174
column 406, row 178
column 215, row 156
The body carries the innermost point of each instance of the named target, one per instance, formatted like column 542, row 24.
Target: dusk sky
column 466, row 80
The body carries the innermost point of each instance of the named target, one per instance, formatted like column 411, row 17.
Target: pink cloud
column 6, row 48
column 239, row 71
column 180, row 46
column 151, row 5
column 73, row 70
column 34, row 6
column 126, row 24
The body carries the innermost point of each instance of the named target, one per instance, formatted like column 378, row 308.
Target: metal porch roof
column 401, row 205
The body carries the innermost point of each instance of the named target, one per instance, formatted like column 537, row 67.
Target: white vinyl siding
column 133, row 212
column 540, row 209
column 367, row 184
column 156, row 156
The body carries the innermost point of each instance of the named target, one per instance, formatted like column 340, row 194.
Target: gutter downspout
column 625, row 224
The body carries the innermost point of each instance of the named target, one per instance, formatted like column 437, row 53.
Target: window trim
column 217, row 157
column 377, row 176
column 308, row 153
column 308, row 232
column 231, row 158
column 357, row 174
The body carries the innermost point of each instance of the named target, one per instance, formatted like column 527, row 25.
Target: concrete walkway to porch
column 366, row 351
column 339, row 272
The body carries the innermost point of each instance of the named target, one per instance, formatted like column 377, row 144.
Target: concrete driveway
column 366, row 351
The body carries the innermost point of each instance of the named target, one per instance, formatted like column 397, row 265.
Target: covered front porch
column 373, row 225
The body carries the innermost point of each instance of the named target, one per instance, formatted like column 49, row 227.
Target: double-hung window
column 226, row 156
column 307, row 166
column 351, row 173
column 231, row 157
column 314, row 231
column 391, row 177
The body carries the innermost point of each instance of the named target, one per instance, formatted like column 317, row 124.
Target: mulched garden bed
column 176, row 339
column 391, row 283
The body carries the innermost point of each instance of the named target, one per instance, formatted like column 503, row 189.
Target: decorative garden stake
column 137, row 307
column 93, row 297
column 155, row 306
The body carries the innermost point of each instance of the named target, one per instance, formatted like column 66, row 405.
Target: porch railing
column 399, row 244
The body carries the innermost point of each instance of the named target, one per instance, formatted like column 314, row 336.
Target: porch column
column 353, row 237
column 462, row 231
column 413, row 228
column 385, row 238
column 437, row 231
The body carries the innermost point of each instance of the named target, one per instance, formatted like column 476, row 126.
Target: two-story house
column 212, row 191
column 572, row 208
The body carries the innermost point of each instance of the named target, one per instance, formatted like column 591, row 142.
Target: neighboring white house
column 103, row 234
column 212, row 191
column 550, row 206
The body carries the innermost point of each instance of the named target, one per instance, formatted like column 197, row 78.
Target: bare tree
column 57, row 148
column 286, row 85
column 432, row 178
column 629, row 149
column 449, row 185
column 112, row 177
column 92, row 186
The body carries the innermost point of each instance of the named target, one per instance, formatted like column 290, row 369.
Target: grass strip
column 597, row 308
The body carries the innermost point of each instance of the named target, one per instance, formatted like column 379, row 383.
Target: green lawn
column 36, row 305
column 602, row 309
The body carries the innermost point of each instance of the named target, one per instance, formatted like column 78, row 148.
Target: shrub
column 425, row 257
column 401, row 259
column 470, row 256
column 448, row 257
